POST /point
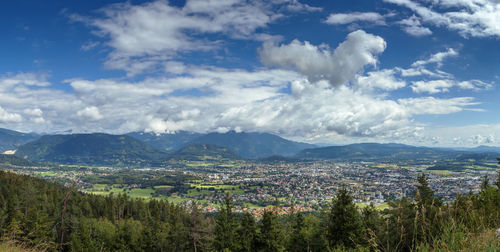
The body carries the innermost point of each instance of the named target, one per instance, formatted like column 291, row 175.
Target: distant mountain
column 371, row 151
column 92, row 149
column 484, row 148
column 254, row 145
column 10, row 140
column 166, row 142
column 204, row 152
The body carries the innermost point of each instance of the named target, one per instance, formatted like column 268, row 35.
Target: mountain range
column 370, row 151
column 149, row 149
column 92, row 149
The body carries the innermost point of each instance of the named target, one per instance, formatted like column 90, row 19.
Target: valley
column 255, row 186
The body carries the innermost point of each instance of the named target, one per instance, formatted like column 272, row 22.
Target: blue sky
column 337, row 72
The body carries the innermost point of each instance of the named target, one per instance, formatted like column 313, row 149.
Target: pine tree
column 270, row 236
column 225, row 226
column 247, row 234
column 298, row 240
column 344, row 225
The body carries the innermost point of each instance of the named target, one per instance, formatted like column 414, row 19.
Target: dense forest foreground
column 47, row 216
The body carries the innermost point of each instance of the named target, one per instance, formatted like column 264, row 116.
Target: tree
column 428, row 222
column 344, row 225
column 247, row 234
column 372, row 226
column 225, row 226
column 298, row 240
column 425, row 195
column 270, row 236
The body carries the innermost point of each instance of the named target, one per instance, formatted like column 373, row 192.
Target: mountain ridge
column 93, row 149
column 10, row 139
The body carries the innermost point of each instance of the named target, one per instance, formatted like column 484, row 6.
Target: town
column 294, row 186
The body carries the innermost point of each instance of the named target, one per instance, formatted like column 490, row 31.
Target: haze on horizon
column 421, row 73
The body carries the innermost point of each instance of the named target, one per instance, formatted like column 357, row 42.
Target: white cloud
column 467, row 135
column 432, row 87
column 296, row 6
column 436, row 58
column 478, row 18
column 226, row 99
column 24, row 79
column 90, row 113
column 436, row 106
column 89, row 45
column 144, row 36
column 6, row 117
column 383, row 79
column 319, row 63
column 300, row 103
column 444, row 85
column 347, row 18
column 481, row 139
column 33, row 112
column 413, row 27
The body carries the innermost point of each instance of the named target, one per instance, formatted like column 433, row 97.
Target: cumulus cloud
column 25, row 79
column 478, row 18
column 468, row 135
column 384, row 79
column 481, row 139
column 296, row 99
column 6, row 117
column 144, row 36
column 319, row 63
column 90, row 113
column 347, row 18
column 413, row 27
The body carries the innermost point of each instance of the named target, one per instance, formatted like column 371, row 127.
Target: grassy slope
column 460, row 241
column 7, row 247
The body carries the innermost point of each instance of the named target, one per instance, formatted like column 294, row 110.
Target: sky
column 333, row 72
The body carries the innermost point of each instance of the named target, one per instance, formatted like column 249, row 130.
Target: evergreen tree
column 298, row 240
column 270, row 236
column 247, row 234
column 344, row 225
column 225, row 226
column 372, row 226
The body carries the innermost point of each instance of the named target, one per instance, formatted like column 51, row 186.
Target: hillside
column 375, row 151
column 166, row 142
column 91, row 149
column 10, row 139
column 254, row 145
column 204, row 152
column 13, row 160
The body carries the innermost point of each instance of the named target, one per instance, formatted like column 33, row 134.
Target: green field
column 440, row 172
column 48, row 174
column 379, row 207
column 142, row 193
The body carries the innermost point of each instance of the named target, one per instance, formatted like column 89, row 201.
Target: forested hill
column 166, row 142
column 254, row 145
column 243, row 144
column 50, row 217
column 10, row 140
column 376, row 151
column 15, row 161
column 92, row 149
column 204, row 152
